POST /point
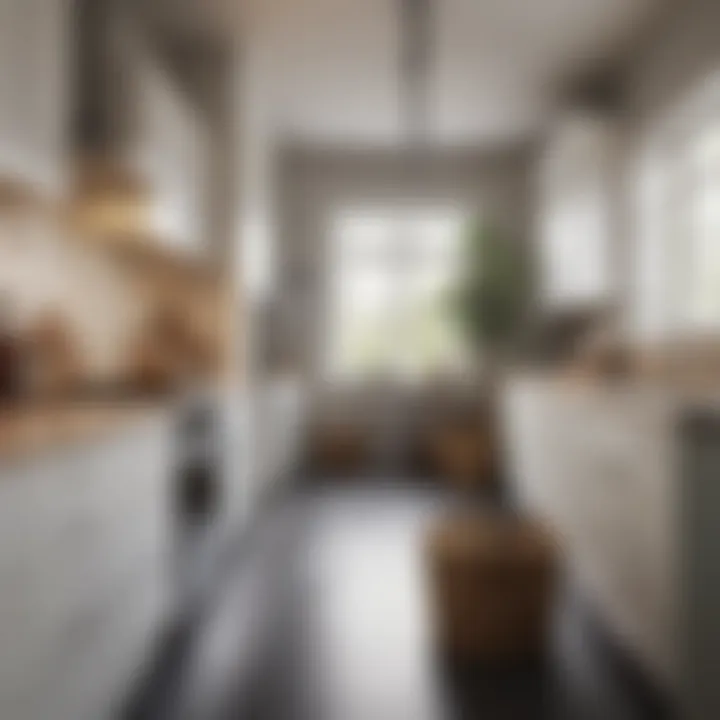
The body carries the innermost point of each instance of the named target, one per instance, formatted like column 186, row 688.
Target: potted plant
column 490, row 303
column 491, row 297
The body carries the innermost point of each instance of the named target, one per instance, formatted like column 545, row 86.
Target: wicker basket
column 341, row 450
column 492, row 585
column 463, row 455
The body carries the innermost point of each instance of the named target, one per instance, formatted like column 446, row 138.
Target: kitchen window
column 678, row 255
column 392, row 271
column 704, row 227
column 576, row 176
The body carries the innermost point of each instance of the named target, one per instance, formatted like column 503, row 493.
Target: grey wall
column 313, row 182
column 682, row 45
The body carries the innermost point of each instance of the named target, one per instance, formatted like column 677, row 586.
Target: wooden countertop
column 27, row 430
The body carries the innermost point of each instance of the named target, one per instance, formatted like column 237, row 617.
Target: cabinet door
column 92, row 581
column 527, row 432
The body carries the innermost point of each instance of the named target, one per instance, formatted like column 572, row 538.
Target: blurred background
column 359, row 360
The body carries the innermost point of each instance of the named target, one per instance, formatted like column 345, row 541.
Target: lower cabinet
column 85, row 564
column 598, row 466
column 628, row 476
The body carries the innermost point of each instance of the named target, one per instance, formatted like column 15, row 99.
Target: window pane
column 392, row 274
column 704, row 285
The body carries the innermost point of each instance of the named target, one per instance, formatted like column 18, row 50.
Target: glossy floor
column 320, row 615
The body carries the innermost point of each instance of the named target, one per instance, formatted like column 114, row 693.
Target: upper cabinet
column 34, row 92
column 576, row 212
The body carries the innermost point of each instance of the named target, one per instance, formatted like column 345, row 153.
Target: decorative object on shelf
column 183, row 340
column 108, row 200
column 603, row 354
column 160, row 362
column 56, row 367
column 11, row 380
column 554, row 338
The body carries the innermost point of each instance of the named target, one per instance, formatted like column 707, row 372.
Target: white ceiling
column 329, row 68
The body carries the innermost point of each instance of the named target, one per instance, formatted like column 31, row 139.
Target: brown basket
column 339, row 450
column 492, row 582
column 462, row 455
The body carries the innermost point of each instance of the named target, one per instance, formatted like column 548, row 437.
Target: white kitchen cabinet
column 628, row 478
column 598, row 464
column 278, row 414
column 85, row 565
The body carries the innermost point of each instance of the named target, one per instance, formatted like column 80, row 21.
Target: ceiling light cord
column 416, row 50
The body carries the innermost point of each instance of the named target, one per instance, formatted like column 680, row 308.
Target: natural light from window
column 704, row 270
column 392, row 272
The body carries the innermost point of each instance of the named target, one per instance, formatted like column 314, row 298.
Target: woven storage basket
column 492, row 585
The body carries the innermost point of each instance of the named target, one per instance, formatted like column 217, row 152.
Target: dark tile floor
column 320, row 615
